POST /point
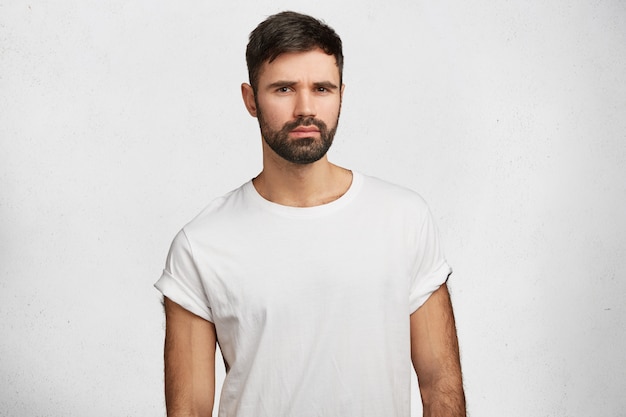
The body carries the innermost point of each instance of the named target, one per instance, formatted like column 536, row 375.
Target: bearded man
column 318, row 283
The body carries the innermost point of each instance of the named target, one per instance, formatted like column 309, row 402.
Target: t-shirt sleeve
column 181, row 282
column 430, row 268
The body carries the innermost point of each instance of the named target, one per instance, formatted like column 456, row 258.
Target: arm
column 435, row 356
column 189, row 363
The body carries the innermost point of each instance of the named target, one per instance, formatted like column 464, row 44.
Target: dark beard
column 301, row 150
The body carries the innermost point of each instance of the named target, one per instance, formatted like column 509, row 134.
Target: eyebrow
column 326, row 84
column 281, row 83
column 285, row 83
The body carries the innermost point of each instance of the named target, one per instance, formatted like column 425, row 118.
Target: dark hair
column 289, row 32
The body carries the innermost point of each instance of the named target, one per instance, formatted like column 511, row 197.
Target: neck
column 304, row 185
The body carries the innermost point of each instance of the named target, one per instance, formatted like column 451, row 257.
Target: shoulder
column 220, row 211
column 390, row 193
column 391, row 203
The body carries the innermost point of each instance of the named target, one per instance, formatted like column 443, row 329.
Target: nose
column 305, row 105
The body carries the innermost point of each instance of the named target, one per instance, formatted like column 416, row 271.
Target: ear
column 343, row 87
column 247, row 93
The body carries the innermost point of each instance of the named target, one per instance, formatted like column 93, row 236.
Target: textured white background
column 120, row 120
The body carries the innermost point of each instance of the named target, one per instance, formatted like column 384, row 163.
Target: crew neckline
column 314, row 211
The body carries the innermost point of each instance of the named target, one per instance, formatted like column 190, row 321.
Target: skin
column 435, row 357
column 293, row 86
column 190, row 343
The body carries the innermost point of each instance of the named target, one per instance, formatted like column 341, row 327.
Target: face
column 297, row 103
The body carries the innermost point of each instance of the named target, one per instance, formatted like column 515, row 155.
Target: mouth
column 304, row 132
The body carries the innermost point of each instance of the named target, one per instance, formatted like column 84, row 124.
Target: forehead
column 314, row 66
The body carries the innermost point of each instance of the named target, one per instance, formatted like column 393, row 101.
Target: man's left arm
column 435, row 356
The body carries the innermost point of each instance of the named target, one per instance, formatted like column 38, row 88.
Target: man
column 319, row 284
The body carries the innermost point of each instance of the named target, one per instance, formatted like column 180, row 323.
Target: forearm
column 443, row 397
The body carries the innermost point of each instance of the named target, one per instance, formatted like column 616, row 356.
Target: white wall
column 120, row 120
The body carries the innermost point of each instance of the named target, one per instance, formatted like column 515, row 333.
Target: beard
column 301, row 150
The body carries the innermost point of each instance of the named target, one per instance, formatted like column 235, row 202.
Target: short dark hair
column 289, row 32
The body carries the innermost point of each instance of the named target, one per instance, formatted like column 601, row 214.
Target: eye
column 324, row 89
column 283, row 89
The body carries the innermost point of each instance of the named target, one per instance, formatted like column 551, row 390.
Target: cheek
column 331, row 112
column 274, row 112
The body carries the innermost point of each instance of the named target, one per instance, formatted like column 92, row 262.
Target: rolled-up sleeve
column 181, row 281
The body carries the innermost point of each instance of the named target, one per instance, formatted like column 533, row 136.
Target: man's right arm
column 190, row 343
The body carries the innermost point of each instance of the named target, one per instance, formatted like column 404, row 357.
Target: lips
column 301, row 132
column 304, row 128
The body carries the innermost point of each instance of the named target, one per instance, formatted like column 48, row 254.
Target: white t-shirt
column 311, row 305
